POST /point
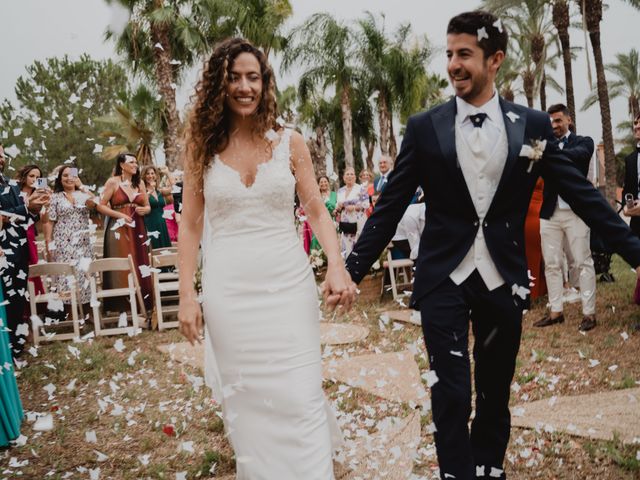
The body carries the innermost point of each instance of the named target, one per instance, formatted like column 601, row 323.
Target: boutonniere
column 533, row 152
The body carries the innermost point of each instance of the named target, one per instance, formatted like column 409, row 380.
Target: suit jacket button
column 485, row 224
column 475, row 224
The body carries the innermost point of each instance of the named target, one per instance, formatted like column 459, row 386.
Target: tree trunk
column 318, row 149
column 543, row 91
column 605, row 115
column 528, row 85
column 345, row 108
column 568, row 71
column 383, row 120
column 371, row 146
column 634, row 107
column 393, row 146
column 164, row 77
column 507, row 94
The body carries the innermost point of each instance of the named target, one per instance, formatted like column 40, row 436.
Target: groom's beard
column 478, row 84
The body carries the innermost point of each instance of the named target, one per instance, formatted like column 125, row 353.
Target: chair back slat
column 166, row 260
column 40, row 269
column 110, row 264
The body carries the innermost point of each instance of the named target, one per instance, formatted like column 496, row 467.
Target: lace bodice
column 265, row 207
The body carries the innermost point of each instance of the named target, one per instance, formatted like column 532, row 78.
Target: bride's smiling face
column 244, row 87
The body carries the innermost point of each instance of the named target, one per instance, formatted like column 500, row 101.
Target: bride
column 260, row 300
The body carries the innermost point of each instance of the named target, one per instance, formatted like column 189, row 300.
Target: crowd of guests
column 139, row 215
column 352, row 203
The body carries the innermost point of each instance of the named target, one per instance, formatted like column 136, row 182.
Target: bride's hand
column 190, row 318
column 338, row 288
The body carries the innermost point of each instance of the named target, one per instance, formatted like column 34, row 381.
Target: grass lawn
column 134, row 413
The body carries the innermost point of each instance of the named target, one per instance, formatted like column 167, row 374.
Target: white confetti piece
column 119, row 345
column 430, row 377
column 482, row 33
column 90, row 436
column 513, row 116
column 44, row 424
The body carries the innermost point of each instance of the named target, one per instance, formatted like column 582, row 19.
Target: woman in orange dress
column 533, row 244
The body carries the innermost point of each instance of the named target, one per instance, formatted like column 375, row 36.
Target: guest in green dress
column 158, row 197
column 11, row 413
column 330, row 199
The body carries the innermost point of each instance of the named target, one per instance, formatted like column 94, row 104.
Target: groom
column 468, row 157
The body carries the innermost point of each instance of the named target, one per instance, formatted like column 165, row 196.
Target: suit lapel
column 444, row 124
column 515, row 120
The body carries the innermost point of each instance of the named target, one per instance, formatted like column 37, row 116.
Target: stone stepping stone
column 387, row 454
column 406, row 316
column 342, row 333
column 595, row 416
column 184, row 352
column 394, row 376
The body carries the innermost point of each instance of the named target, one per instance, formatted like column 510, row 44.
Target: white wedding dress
column 262, row 345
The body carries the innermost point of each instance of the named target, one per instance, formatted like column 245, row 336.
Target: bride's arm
column 189, row 235
column 338, row 285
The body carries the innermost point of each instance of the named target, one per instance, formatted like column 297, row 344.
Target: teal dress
column 157, row 229
column 11, row 413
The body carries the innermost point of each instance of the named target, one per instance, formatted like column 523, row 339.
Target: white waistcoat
column 482, row 174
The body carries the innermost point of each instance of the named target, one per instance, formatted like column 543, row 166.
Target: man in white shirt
column 561, row 228
column 409, row 231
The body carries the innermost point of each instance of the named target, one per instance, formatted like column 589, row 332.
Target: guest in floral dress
column 353, row 201
column 69, row 230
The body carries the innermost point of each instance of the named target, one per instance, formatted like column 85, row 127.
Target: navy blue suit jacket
column 579, row 150
column 428, row 158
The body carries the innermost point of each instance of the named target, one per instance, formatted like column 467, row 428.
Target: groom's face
column 471, row 74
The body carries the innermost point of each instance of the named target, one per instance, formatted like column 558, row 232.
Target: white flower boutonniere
column 533, row 152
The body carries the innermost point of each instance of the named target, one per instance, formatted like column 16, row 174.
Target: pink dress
column 172, row 224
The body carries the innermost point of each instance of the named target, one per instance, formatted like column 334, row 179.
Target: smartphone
column 41, row 183
column 629, row 200
column 73, row 172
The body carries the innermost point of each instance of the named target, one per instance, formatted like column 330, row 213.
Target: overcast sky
column 37, row 29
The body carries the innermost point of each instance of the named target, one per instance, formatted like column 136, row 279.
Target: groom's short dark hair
column 471, row 22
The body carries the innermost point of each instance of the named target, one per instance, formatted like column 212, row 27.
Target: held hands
column 338, row 288
column 190, row 318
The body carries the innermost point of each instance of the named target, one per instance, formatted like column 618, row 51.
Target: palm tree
column 162, row 39
column 592, row 14
column 561, row 20
column 531, row 26
column 394, row 71
column 627, row 71
column 261, row 22
column 325, row 47
column 133, row 126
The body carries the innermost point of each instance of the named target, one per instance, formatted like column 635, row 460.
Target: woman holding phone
column 68, row 229
column 29, row 180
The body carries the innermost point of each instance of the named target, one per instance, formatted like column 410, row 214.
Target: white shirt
column 482, row 172
column 411, row 226
column 562, row 205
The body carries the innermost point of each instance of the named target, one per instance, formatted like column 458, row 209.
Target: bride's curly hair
column 207, row 126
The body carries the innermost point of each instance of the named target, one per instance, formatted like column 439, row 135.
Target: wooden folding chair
column 400, row 273
column 165, row 287
column 45, row 271
column 98, row 293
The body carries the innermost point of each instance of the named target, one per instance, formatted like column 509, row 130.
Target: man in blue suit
column 477, row 158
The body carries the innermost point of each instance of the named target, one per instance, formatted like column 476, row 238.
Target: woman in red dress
column 533, row 244
column 124, row 201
